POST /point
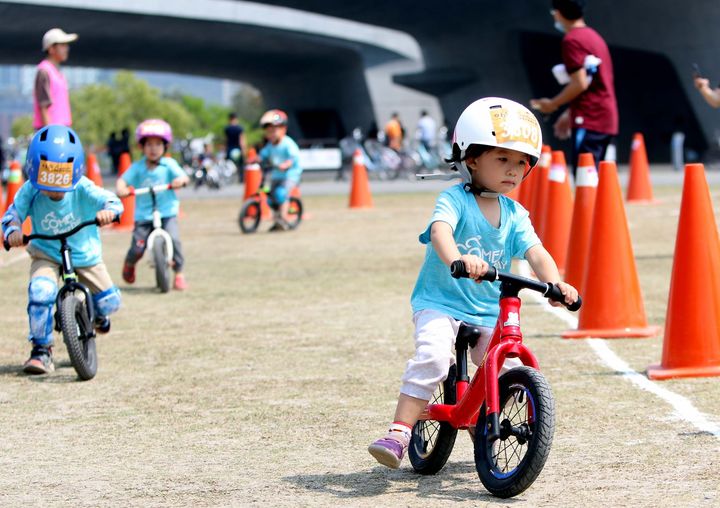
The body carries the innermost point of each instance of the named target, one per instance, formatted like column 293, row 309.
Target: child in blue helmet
column 282, row 153
column 57, row 198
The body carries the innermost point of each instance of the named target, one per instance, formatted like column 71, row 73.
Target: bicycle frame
column 156, row 221
column 506, row 343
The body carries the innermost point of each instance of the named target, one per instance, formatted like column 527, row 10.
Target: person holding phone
column 711, row 96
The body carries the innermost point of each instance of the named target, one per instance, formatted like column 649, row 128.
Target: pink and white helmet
column 154, row 127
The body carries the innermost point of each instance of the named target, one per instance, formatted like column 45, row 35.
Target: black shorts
column 585, row 141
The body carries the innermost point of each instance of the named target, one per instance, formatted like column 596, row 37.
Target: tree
column 100, row 109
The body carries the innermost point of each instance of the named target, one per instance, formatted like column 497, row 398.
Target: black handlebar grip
column 554, row 293
column 457, row 270
column 576, row 305
column 117, row 218
column 6, row 244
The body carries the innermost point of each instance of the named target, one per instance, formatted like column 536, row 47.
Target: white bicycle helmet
column 495, row 122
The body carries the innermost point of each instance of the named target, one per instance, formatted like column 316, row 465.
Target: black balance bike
column 74, row 309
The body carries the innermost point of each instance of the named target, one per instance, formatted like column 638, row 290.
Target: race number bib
column 514, row 126
column 55, row 174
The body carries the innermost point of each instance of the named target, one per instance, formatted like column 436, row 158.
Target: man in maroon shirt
column 592, row 118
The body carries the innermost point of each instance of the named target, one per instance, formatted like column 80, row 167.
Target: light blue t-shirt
column 286, row 149
column 464, row 299
column 138, row 175
column 54, row 217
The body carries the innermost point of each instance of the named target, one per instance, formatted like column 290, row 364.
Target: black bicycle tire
column 82, row 353
column 295, row 218
column 538, row 449
column 162, row 269
column 430, row 462
column 254, row 223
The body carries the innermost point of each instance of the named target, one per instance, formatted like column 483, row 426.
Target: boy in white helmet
column 496, row 143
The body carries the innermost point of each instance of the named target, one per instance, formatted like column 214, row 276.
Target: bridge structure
column 336, row 65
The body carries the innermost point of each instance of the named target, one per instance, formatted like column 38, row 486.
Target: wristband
column 10, row 231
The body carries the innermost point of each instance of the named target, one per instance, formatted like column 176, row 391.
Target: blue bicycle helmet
column 55, row 159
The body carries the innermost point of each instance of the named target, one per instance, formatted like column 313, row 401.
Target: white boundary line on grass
column 683, row 408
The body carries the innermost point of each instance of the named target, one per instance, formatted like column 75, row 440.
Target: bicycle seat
column 467, row 334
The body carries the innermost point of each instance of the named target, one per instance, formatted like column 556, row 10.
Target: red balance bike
column 513, row 416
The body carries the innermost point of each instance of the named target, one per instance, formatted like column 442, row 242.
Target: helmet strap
column 483, row 192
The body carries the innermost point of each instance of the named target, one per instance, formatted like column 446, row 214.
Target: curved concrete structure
column 469, row 48
column 312, row 65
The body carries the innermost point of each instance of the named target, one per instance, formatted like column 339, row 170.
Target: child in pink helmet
column 152, row 169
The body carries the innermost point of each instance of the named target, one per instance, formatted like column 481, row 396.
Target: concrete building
column 316, row 57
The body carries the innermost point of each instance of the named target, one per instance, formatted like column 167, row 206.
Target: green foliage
column 100, row 109
column 22, row 126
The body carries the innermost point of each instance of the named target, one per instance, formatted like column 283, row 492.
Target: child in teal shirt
column 496, row 142
column 57, row 198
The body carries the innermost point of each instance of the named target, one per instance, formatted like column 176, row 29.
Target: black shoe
column 40, row 361
column 102, row 324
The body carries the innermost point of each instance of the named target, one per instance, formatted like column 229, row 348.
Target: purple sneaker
column 390, row 450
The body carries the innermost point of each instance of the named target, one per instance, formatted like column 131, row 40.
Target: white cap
column 56, row 36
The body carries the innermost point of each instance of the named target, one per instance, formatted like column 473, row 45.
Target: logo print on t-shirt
column 474, row 247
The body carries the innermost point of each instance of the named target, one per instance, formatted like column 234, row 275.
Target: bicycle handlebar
column 37, row 236
column 146, row 190
column 548, row 290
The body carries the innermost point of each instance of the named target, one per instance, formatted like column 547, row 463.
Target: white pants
column 435, row 334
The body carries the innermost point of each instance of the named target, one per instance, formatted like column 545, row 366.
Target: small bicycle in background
column 513, row 416
column 251, row 210
column 74, row 310
column 159, row 242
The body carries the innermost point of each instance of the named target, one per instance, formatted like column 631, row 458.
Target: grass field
column 264, row 383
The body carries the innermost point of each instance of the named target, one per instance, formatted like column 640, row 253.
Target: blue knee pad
column 107, row 302
column 280, row 194
column 41, row 297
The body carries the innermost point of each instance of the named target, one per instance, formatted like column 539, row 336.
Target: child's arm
column 180, row 181
column 441, row 236
column 122, row 189
column 546, row 270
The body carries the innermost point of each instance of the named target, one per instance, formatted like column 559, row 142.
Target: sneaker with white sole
column 390, row 450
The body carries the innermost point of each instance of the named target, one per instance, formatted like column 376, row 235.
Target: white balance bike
column 159, row 243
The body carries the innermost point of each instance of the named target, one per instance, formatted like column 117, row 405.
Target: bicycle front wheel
column 76, row 328
column 295, row 211
column 510, row 464
column 250, row 215
column 162, row 269
column 432, row 442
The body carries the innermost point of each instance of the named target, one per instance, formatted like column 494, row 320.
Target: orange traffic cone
column 558, row 215
column 691, row 347
column 127, row 219
column 360, row 196
column 27, row 226
column 253, row 178
column 613, row 305
column 639, row 187
column 537, row 205
column 93, row 169
column 14, row 182
column 579, row 243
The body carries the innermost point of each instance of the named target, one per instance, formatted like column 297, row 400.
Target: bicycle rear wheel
column 510, row 464
column 250, row 214
column 162, row 269
column 432, row 442
column 295, row 211
column 76, row 328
